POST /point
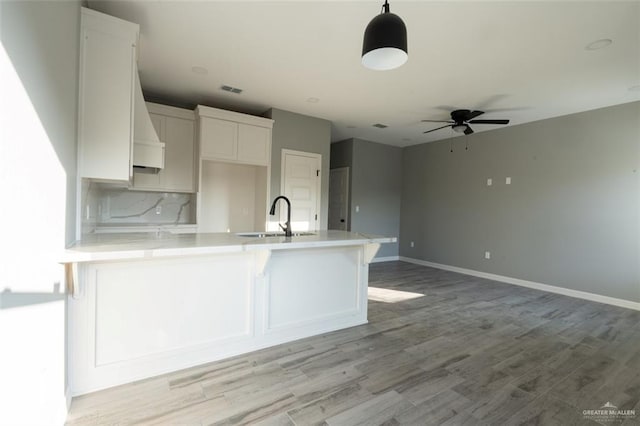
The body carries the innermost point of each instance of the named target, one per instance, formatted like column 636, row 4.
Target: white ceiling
column 523, row 61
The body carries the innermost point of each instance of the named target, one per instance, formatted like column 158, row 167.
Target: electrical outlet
column 412, row 244
column 158, row 209
column 507, row 181
column 487, row 255
column 489, row 182
column 357, row 209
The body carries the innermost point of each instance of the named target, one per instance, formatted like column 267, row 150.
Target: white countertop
column 106, row 247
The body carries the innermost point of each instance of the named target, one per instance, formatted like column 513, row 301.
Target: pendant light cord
column 385, row 7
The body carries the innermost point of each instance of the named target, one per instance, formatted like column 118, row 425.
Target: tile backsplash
column 106, row 205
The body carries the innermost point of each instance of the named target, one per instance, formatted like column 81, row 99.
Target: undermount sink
column 271, row 234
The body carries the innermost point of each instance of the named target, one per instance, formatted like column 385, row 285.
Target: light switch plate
column 489, row 182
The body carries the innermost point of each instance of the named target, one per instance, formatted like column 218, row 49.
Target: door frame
column 318, row 157
column 348, row 202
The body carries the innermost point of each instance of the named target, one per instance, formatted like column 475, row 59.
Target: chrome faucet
column 287, row 226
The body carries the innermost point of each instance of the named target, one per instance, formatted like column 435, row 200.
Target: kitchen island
column 150, row 303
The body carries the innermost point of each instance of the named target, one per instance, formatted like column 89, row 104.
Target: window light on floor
column 388, row 295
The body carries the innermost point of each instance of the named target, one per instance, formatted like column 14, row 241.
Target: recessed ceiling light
column 313, row 100
column 380, row 126
column 231, row 89
column 199, row 70
column 635, row 88
column 599, row 44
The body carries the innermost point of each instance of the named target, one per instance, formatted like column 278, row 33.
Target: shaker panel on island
column 147, row 304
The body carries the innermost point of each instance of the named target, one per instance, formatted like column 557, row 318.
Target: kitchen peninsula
column 144, row 304
column 149, row 303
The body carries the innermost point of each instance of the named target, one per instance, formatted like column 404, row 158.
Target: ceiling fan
column 460, row 120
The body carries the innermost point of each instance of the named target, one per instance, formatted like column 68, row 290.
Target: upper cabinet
column 176, row 128
column 233, row 137
column 106, row 104
column 218, row 139
column 254, row 144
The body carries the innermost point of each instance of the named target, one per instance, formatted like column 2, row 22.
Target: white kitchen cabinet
column 234, row 169
column 219, row 139
column 176, row 128
column 254, row 144
column 107, row 79
column 233, row 137
column 180, row 136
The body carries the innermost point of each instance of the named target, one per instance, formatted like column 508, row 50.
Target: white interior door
column 301, row 185
column 339, row 198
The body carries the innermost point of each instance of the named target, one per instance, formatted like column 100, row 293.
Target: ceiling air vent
column 380, row 126
column 231, row 89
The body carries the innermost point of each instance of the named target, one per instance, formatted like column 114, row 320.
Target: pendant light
column 385, row 41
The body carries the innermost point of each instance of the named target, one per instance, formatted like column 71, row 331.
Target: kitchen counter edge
column 115, row 247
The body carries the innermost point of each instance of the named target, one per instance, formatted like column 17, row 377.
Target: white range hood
column 148, row 151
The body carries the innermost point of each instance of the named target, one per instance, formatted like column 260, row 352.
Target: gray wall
column 37, row 180
column 301, row 133
column 375, row 181
column 570, row 218
column 342, row 154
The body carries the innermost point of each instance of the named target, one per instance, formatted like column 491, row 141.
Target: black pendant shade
column 385, row 42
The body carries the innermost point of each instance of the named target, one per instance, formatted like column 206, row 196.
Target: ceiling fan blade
column 438, row 121
column 472, row 115
column 489, row 121
column 468, row 130
column 438, row 128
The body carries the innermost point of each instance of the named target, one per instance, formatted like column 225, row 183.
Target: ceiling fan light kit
column 460, row 128
column 460, row 120
column 385, row 42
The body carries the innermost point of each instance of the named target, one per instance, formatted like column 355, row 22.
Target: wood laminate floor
column 467, row 351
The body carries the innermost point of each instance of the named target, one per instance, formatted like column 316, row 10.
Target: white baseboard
column 385, row 259
column 529, row 284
